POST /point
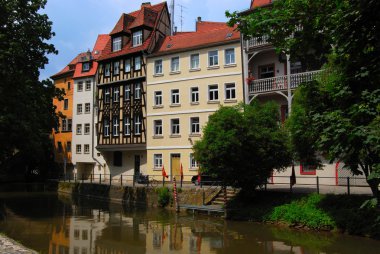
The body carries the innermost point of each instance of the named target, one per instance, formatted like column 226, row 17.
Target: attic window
column 137, row 38
column 229, row 35
column 169, row 46
column 85, row 66
column 96, row 52
column 116, row 44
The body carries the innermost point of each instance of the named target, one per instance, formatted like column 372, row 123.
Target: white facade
column 86, row 159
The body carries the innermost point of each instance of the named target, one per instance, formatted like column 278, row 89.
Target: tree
column 337, row 115
column 26, row 110
column 242, row 145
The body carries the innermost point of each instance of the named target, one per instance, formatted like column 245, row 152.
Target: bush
column 164, row 196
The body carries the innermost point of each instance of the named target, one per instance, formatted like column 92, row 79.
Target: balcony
column 280, row 83
column 257, row 42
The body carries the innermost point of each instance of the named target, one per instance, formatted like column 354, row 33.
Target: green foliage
column 242, row 145
column 304, row 212
column 164, row 196
column 26, row 111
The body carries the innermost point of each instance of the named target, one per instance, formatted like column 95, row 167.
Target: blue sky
column 77, row 23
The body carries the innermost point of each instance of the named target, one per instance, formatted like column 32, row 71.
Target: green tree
column 337, row 115
column 26, row 109
column 242, row 145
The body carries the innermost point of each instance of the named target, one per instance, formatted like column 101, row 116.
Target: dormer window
column 116, row 44
column 85, row 66
column 137, row 38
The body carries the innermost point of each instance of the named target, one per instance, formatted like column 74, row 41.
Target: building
column 121, row 85
column 85, row 158
column 190, row 76
column 62, row 134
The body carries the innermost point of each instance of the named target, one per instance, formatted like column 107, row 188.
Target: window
column 106, row 127
column 157, row 98
column 296, row 67
column 116, row 66
column 68, row 146
column 80, row 86
column 64, row 124
column 69, row 124
column 308, row 169
column 87, row 108
column 175, row 126
column 107, row 69
column 213, row 94
column 68, row 86
column 157, row 127
column 107, row 95
column 266, row 71
column 137, row 38
column 137, row 125
column 66, row 104
column 137, row 63
column 79, row 109
column 79, row 149
column 174, row 65
column 230, row 91
column 116, row 44
column 194, row 124
column 86, row 128
column 194, row 61
column 115, row 126
column 84, row 250
column 117, row 159
column 137, row 91
column 193, row 162
column 86, row 148
column 84, row 235
column 88, row 85
column 213, row 58
column 127, row 125
column 229, row 56
column 79, row 129
column 60, row 147
column 194, row 94
column 116, row 92
column 127, row 92
column 85, row 66
column 158, row 66
column 76, row 234
column 127, row 65
column 157, row 161
column 175, row 96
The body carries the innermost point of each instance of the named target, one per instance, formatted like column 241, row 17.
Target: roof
column 67, row 70
column 260, row 3
column 208, row 33
column 146, row 16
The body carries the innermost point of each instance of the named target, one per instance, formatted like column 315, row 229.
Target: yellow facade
column 169, row 145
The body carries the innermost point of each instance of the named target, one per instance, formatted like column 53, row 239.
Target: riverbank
column 335, row 213
column 9, row 246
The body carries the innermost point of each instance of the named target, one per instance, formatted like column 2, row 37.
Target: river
column 57, row 224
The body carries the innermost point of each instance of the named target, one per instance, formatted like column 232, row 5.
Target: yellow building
column 188, row 79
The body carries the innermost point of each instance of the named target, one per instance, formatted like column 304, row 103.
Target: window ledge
column 214, row 67
column 87, row 134
column 194, row 135
column 174, row 72
column 158, row 75
column 230, row 65
column 195, row 69
column 175, row 136
column 194, row 103
column 230, row 101
column 213, row 102
column 175, row 105
column 157, row 169
column 158, row 106
column 193, row 169
column 158, row 137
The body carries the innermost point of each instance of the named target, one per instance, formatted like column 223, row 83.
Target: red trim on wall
column 314, row 172
column 336, row 172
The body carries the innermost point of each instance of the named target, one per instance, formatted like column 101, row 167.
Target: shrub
column 164, row 196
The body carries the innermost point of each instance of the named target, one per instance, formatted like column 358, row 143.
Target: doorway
column 176, row 166
column 137, row 165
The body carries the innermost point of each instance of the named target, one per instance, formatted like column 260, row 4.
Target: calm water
column 50, row 223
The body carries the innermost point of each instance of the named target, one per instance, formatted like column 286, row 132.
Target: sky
column 77, row 23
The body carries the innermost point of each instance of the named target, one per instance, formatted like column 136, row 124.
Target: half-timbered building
column 121, row 83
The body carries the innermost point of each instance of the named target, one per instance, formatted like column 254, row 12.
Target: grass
column 316, row 212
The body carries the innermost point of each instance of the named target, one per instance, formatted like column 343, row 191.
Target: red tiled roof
column 123, row 23
column 99, row 46
column 209, row 34
column 67, row 69
column 147, row 15
column 259, row 3
column 203, row 26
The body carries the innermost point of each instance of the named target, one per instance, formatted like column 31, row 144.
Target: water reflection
column 58, row 225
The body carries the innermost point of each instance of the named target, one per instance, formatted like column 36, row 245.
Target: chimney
column 145, row 4
column 199, row 19
column 175, row 30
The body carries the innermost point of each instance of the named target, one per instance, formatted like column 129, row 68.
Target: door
column 137, row 165
column 176, row 166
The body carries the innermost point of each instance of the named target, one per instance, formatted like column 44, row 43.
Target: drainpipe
column 244, row 57
column 93, row 125
column 289, row 97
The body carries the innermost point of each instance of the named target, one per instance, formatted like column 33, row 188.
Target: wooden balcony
column 256, row 42
column 280, row 83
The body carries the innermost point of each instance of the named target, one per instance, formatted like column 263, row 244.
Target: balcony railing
column 257, row 41
column 281, row 82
